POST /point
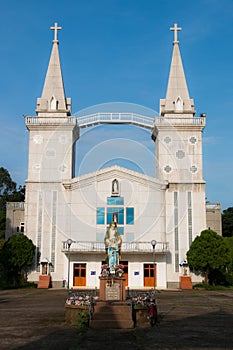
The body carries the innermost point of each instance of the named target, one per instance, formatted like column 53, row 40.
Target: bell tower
column 177, row 132
column 53, row 132
column 178, row 142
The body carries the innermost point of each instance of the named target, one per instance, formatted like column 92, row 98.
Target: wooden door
column 149, row 275
column 79, row 275
column 125, row 263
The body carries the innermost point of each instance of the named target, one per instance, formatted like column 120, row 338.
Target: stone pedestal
column 185, row 282
column 112, row 288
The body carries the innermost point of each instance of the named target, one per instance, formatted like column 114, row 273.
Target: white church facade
column 168, row 208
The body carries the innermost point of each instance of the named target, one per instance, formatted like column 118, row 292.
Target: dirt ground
column 34, row 319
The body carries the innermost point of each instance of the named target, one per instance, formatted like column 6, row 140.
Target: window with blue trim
column 130, row 216
column 100, row 213
column 119, row 212
column 115, row 201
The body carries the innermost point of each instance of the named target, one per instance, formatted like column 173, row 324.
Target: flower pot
column 77, row 315
column 140, row 314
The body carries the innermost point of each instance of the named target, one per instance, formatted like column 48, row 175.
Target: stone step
column 115, row 309
column 112, row 324
column 112, row 315
column 112, row 303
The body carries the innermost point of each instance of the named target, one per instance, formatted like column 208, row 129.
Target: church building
column 158, row 217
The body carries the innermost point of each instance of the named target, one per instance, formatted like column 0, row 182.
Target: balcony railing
column 51, row 120
column 127, row 247
column 15, row 205
column 161, row 121
column 116, row 118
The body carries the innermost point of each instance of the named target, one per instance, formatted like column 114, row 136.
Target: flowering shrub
column 105, row 270
column 119, row 269
column 140, row 301
column 81, row 300
column 143, row 301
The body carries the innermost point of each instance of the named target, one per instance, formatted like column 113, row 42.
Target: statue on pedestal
column 113, row 243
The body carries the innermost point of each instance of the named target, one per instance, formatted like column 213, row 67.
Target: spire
column 53, row 98
column 177, row 97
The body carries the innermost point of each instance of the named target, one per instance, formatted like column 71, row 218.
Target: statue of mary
column 112, row 246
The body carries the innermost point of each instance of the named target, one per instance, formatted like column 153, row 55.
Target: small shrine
column 45, row 278
column 185, row 278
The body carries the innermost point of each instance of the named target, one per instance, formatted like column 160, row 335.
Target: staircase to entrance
column 112, row 315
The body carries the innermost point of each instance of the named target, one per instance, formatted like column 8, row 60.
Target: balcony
column 127, row 247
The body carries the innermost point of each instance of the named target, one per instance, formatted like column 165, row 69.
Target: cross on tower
column 55, row 28
column 175, row 28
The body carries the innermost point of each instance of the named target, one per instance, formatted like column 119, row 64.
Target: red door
column 125, row 263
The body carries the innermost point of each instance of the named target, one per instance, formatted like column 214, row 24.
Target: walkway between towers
column 115, row 118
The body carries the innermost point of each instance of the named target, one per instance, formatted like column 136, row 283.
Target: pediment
column 110, row 173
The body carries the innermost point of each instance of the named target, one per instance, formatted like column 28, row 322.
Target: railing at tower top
column 115, row 118
column 127, row 247
column 15, row 205
column 179, row 121
column 50, row 120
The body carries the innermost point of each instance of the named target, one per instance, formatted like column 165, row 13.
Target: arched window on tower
column 179, row 105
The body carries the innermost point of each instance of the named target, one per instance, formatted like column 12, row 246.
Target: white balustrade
column 50, row 120
column 137, row 247
column 117, row 118
column 180, row 121
column 111, row 118
column 15, row 205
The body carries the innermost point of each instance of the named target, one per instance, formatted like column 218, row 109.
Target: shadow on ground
column 34, row 319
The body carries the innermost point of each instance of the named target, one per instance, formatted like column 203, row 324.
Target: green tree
column 227, row 222
column 8, row 193
column 229, row 242
column 210, row 255
column 17, row 255
column 6, row 183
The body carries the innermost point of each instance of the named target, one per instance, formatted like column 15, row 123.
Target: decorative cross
column 175, row 28
column 55, row 28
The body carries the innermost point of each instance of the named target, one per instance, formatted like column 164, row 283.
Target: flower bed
column 140, row 307
column 81, row 300
column 78, row 309
column 140, row 301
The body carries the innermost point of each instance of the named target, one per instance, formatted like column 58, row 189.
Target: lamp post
column 69, row 242
column 153, row 243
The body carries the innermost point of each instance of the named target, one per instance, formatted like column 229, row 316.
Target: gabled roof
column 112, row 173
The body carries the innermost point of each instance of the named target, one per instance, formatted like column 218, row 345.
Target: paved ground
column 34, row 319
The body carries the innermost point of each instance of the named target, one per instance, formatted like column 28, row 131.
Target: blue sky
column 119, row 51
